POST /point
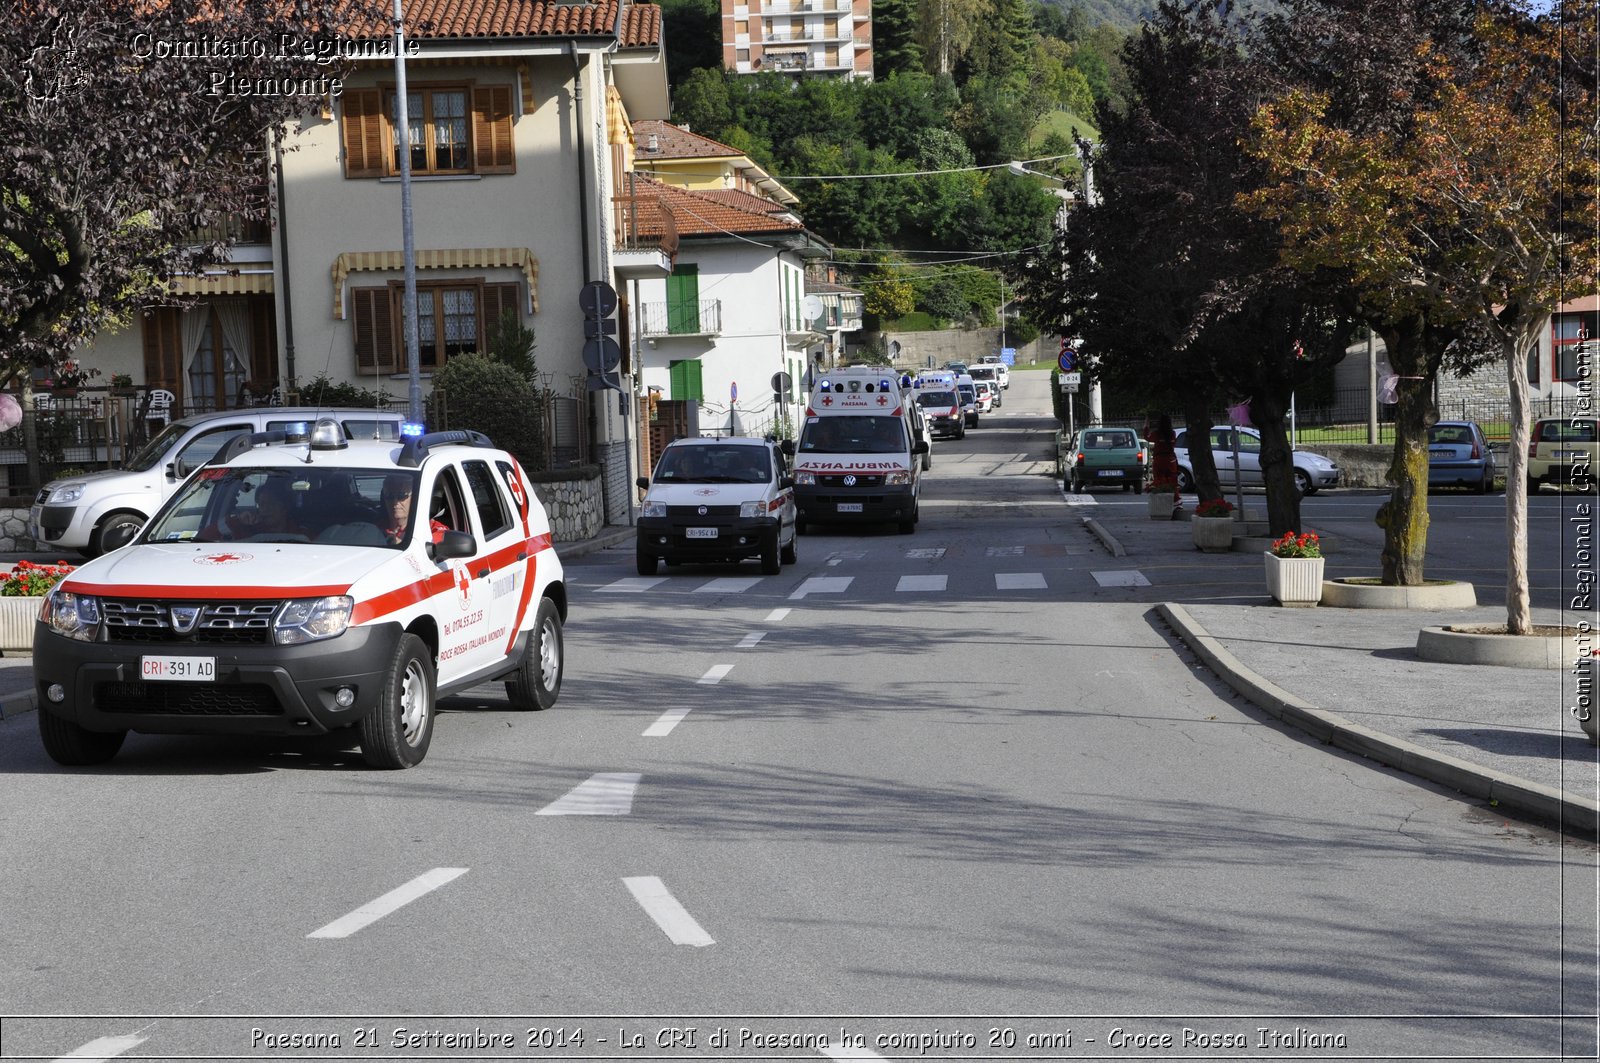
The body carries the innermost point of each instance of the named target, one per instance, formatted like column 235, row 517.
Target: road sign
column 601, row 355
column 1068, row 359
column 597, row 299
column 1008, row 356
column 1071, row 381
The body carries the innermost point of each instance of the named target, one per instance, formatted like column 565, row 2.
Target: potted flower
column 71, row 375
column 22, row 592
column 1294, row 569
column 1162, row 498
column 121, row 384
column 1213, row 525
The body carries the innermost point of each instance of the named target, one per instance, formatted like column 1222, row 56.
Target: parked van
column 857, row 458
column 78, row 513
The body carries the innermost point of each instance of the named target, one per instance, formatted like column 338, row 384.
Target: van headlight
column 311, row 619
column 65, row 494
column 897, row 479
column 77, row 616
column 805, row 479
column 653, row 508
column 748, row 510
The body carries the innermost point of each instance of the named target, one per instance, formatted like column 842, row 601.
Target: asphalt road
column 959, row 784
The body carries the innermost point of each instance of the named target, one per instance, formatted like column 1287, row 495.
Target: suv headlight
column 65, row 494
column 807, row 479
column 897, row 479
column 653, row 508
column 77, row 616
column 310, row 619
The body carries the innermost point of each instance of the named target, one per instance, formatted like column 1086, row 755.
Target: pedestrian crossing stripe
column 936, row 583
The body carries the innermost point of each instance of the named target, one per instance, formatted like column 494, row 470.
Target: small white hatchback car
column 299, row 586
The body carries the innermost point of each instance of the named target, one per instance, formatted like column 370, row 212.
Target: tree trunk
column 1519, row 620
column 1202, row 463
column 1404, row 518
column 1277, row 466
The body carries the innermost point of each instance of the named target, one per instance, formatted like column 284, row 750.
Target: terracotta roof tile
column 469, row 19
column 701, row 213
column 673, row 142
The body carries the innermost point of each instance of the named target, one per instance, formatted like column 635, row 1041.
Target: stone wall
column 919, row 350
column 576, row 509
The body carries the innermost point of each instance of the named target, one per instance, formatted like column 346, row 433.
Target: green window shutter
column 686, row 380
column 683, row 300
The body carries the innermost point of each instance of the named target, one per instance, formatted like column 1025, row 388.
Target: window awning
column 438, row 258
column 259, row 283
column 618, row 129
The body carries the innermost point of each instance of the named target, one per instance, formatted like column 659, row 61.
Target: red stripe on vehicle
column 403, row 597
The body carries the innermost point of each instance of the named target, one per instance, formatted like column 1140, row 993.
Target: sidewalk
column 1351, row 677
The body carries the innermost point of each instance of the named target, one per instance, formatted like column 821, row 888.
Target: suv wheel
column 537, row 683
column 75, row 746
column 396, row 733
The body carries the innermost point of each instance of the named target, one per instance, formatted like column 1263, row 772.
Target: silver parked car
column 1312, row 472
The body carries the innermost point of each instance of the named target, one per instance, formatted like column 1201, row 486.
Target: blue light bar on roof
column 412, row 428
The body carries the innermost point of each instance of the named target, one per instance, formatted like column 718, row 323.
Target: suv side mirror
column 453, row 544
column 642, row 483
column 785, row 483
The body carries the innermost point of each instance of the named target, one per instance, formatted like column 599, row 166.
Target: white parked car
column 1312, row 472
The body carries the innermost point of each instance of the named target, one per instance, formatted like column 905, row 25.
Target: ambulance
column 304, row 586
column 857, row 459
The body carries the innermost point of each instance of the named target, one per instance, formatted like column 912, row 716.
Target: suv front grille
column 188, row 699
column 218, row 623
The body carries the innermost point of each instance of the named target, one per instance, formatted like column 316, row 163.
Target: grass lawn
column 1493, row 431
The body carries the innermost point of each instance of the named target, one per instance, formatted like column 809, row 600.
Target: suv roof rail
column 417, row 447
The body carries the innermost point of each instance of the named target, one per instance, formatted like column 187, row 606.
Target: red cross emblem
column 882, row 401
column 827, row 400
column 463, row 584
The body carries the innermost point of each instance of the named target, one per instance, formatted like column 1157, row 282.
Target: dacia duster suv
column 296, row 587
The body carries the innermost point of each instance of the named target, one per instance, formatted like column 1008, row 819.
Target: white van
column 857, row 458
column 722, row 498
column 78, row 513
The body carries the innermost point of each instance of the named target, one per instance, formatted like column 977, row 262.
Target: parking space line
column 658, row 903
column 392, row 901
column 823, row 585
column 605, row 794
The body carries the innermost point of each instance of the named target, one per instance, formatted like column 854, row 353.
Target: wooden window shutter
column 162, row 347
column 497, row 299
column 491, row 130
column 373, row 320
column 366, row 149
column 263, row 342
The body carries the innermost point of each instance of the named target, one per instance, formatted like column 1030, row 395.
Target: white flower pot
column 1294, row 581
column 1161, row 504
column 17, row 616
column 1214, row 535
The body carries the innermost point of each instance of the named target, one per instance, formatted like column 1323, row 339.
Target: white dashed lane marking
column 102, row 1049
column 390, row 902
column 605, row 794
column 1121, row 578
column 716, row 674
column 776, row 616
column 659, row 903
column 1019, row 581
column 666, row 722
column 749, row 641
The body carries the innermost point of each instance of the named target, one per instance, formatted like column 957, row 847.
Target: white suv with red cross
column 302, row 586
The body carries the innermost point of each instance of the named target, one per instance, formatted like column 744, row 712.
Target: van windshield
column 713, row 464
column 853, row 435
column 150, row 455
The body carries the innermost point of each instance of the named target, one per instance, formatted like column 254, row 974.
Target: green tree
column 895, row 48
column 496, row 399
column 695, row 40
column 703, row 102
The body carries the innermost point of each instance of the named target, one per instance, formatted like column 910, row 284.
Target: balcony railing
column 785, row 61
column 642, row 221
column 702, row 318
column 235, row 229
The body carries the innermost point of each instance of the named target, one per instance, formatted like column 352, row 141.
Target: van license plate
column 181, row 669
column 701, row 533
column 849, row 507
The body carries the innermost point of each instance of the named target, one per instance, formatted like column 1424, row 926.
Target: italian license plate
column 1567, row 453
column 701, row 533
column 849, row 507
column 1442, row 453
column 178, row 669
column 1109, row 472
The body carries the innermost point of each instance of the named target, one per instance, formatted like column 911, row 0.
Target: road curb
column 1574, row 814
column 1107, row 540
column 20, row 705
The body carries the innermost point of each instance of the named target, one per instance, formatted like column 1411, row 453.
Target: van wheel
column 75, row 746
column 396, row 733
column 788, row 554
column 118, row 519
column 537, row 683
column 771, row 564
column 646, row 563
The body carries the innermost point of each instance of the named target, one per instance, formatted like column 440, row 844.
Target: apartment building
column 798, row 37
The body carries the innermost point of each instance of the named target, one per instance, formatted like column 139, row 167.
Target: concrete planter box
column 17, row 616
column 1161, row 505
column 1214, row 535
column 1438, row 594
column 1294, row 581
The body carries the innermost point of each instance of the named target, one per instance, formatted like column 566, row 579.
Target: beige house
column 520, row 125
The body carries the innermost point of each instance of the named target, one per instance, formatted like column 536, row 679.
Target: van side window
column 203, row 447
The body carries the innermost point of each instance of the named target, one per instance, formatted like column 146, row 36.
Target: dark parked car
column 1105, row 457
column 1459, row 456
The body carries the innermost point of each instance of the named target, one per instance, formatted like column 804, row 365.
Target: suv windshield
column 714, row 465
column 853, row 435
column 282, row 505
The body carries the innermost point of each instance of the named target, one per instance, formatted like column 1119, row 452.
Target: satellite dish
column 812, row 307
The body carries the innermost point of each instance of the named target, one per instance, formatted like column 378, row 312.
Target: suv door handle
column 481, row 573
